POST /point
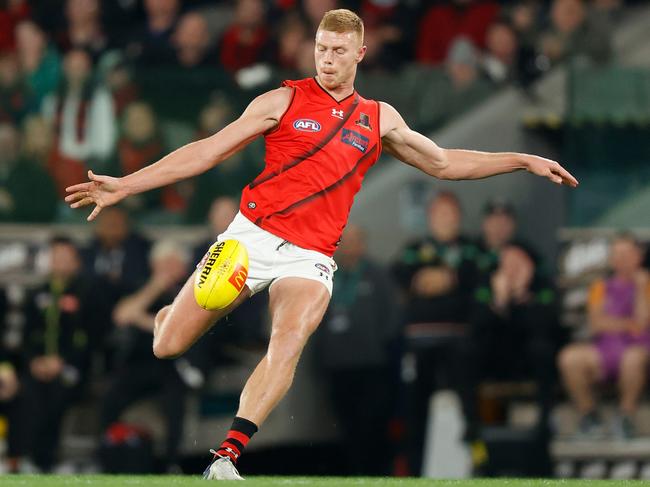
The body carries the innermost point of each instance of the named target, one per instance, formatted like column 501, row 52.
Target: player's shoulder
column 389, row 117
column 272, row 103
column 297, row 83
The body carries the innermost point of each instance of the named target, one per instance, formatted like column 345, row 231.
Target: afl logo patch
column 306, row 125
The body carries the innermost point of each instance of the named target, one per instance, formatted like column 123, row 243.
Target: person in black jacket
column 513, row 332
column 60, row 315
column 436, row 273
column 355, row 347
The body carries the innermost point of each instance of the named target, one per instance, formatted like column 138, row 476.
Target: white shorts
column 271, row 258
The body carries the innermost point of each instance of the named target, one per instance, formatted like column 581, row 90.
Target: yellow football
column 221, row 275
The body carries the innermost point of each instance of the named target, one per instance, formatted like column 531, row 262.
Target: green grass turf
column 168, row 480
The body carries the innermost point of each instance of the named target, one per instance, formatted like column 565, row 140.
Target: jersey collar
column 323, row 91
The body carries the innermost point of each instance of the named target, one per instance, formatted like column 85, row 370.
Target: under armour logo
column 337, row 113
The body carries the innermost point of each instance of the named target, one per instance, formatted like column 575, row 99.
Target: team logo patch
column 364, row 122
column 322, row 267
column 306, row 125
column 355, row 139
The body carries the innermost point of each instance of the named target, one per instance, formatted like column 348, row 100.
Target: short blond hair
column 342, row 20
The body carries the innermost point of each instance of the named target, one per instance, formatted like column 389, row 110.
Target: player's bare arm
column 262, row 115
column 421, row 152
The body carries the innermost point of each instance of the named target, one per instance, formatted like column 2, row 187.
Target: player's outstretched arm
column 419, row 151
column 192, row 159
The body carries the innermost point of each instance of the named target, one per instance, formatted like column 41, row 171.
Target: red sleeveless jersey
column 316, row 159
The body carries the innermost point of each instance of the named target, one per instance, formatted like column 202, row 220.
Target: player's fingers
column 96, row 177
column 567, row 176
column 79, row 187
column 76, row 196
column 84, row 202
column 94, row 213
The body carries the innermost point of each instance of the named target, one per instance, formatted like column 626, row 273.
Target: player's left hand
column 549, row 169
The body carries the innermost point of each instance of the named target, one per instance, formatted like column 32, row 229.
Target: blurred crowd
column 451, row 311
column 113, row 86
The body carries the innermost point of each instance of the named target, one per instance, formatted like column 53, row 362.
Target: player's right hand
column 102, row 191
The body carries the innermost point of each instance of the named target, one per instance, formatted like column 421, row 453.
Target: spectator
column 244, row 43
column 459, row 88
column 305, row 59
column 151, row 43
column 291, row 34
column 139, row 145
column 214, row 116
column 500, row 60
column 618, row 315
column 40, row 63
column 138, row 373
column 83, row 28
column 191, row 41
column 117, row 257
column 442, row 24
column 497, row 230
column 83, row 117
column 10, row 14
column 119, row 81
column 385, row 27
column 355, row 340
column 436, row 273
column 190, row 67
column 575, row 32
column 15, row 99
column 524, row 18
column 513, row 331
column 18, row 177
column 60, row 319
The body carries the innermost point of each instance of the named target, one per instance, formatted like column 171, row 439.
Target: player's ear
column 361, row 53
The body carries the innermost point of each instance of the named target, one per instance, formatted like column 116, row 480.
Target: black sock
column 240, row 433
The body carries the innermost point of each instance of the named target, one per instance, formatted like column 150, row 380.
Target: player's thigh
column 297, row 307
column 181, row 323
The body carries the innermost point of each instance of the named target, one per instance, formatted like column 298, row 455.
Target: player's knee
column 166, row 349
column 160, row 317
column 166, row 346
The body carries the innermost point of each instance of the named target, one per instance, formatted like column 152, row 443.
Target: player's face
column 337, row 55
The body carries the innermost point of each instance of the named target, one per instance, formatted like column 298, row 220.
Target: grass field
column 167, row 480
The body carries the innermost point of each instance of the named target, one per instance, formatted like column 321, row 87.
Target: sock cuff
column 244, row 426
